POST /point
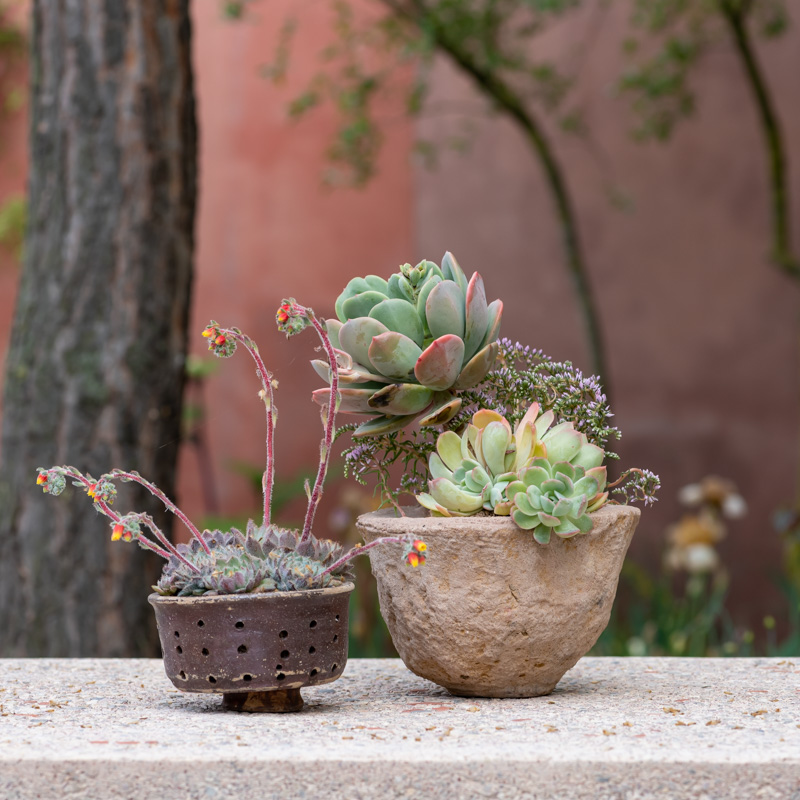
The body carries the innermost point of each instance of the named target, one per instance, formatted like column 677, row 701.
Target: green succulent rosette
column 409, row 344
column 547, row 477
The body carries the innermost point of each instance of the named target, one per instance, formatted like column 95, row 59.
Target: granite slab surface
column 632, row 728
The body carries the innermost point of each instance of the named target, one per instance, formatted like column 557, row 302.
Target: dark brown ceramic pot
column 258, row 650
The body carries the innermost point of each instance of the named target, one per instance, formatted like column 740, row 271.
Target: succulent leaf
column 476, row 316
column 445, row 312
column 401, row 398
column 476, row 369
column 440, row 363
column 356, row 336
column 453, row 272
column 441, row 412
column 361, row 304
column 401, row 316
column 394, row 355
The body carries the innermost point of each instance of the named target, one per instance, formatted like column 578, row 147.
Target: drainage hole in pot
column 178, row 649
column 239, row 624
column 283, row 634
column 313, row 672
column 177, row 633
column 212, row 679
column 247, row 677
column 334, row 667
column 200, row 623
column 204, row 651
column 280, row 676
column 336, row 637
column 242, row 648
column 182, row 675
column 312, row 650
column 284, row 654
column 313, row 624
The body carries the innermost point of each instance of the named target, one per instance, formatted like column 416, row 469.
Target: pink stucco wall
column 267, row 229
column 702, row 330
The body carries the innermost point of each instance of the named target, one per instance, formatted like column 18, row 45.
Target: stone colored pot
column 492, row 613
column 258, row 650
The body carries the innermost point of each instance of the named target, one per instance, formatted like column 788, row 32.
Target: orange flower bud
column 220, row 340
column 208, row 333
column 90, row 490
column 116, row 533
column 420, row 546
column 413, row 559
column 41, row 479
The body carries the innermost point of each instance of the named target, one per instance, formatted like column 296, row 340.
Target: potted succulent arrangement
column 254, row 614
column 506, row 461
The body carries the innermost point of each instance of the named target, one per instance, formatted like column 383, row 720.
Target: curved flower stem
column 104, row 509
column 362, row 548
column 624, row 476
column 135, row 477
column 329, row 421
column 268, row 479
column 159, row 534
column 153, row 548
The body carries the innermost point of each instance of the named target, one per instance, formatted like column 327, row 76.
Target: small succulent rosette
column 547, row 477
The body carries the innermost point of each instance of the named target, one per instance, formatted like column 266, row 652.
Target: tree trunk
column 95, row 369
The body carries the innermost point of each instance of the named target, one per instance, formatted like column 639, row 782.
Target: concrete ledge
column 614, row 728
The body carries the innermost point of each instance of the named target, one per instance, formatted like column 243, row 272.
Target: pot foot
column 278, row 701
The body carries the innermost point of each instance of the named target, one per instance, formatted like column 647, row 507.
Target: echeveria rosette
column 470, row 472
column 408, row 345
column 532, row 470
column 556, row 498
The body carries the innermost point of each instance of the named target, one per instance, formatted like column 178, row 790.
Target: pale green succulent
column 409, row 344
column 489, row 466
column 556, row 498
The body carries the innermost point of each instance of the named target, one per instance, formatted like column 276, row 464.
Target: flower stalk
column 292, row 318
column 414, row 549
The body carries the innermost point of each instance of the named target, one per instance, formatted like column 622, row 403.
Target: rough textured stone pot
column 258, row 650
column 492, row 613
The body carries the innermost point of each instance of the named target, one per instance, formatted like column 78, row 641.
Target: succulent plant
column 556, row 498
column 265, row 558
column 525, row 472
column 259, row 561
column 472, row 471
column 408, row 345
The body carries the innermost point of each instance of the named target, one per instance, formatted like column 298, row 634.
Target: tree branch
column 782, row 253
column 492, row 85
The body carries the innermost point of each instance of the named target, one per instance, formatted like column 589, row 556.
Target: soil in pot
column 493, row 613
column 258, row 650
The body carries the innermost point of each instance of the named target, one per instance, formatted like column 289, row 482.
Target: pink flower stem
column 268, row 479
column 330, row 428
column 362, row 548
column 104, row 509
column 148, row 545
column 624, row 476
column 156, row 492
column 159, row 534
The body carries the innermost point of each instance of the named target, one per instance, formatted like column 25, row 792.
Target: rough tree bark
column 95, row 369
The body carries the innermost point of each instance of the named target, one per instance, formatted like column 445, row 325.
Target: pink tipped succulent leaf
column 440, row 363
column 394, row 355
